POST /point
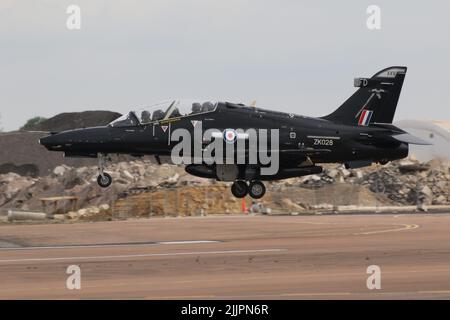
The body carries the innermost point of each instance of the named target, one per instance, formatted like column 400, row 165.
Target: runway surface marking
column 125, row 256
column 300, row 294
column 247, row 296
column 109, row 245
column 188, row 242
column 414, row 269
column 244, row 279
column 318, row 223
column 404, row 227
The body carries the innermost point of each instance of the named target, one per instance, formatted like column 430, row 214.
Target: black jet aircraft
column 358, row 133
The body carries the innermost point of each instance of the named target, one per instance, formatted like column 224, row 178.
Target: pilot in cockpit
column 196, row 108
column 158, row 115
column 207, row 106
column 145, row 116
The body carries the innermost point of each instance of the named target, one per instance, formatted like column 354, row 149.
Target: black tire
column 239, row 189
column 257, row 189
column 104, row 181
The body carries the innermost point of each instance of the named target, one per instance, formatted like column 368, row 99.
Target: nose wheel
column 255, row 189
column 104, row 180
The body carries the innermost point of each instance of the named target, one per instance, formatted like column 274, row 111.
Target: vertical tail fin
column 374, row 101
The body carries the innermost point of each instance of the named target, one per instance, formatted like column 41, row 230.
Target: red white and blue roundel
column 364, row 118
column 229, row 135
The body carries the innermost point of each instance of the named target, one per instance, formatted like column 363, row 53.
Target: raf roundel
column 229, row 135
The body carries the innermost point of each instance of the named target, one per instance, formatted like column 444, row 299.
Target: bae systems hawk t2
column 360, row 132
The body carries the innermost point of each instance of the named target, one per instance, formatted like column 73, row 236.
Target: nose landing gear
column 255, row 189
column 104, row 180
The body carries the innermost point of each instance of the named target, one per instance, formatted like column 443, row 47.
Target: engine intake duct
column 201, row 170
column 286, row 173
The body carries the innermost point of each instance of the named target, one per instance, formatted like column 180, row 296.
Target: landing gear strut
column 255, row 189
column 104, row 180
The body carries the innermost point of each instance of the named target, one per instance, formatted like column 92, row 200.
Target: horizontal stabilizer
column 409, row 138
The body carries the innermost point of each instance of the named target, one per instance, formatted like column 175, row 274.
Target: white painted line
column 316, row 294
column 125, row 256
column 435, row 292
column 109, row 245
column 188, row 242
column 404, row 227
column 79, row 246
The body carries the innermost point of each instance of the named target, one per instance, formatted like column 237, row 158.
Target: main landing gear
column 104, row 180
column 254, row 189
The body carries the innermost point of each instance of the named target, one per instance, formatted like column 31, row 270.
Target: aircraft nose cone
column 45, row 140
column 76, row 139
column 51, row 142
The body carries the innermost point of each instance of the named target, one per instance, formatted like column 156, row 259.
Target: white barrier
column 24, row 216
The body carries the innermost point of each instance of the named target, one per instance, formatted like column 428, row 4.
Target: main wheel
column 256, row 189
column 239, row 189
column 104, row 180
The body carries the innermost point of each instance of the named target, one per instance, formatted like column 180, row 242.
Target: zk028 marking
column 323, row 142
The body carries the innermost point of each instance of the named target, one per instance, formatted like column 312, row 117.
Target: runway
column 230, row 257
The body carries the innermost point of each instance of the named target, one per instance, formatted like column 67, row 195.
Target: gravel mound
column 406, row 182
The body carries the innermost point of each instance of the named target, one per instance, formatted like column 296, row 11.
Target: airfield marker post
column 244, row 206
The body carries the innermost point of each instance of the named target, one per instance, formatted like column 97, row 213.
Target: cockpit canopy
column 163, row 111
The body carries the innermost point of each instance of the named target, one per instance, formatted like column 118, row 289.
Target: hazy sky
column 296, row 56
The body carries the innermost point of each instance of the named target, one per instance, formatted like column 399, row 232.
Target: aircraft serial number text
column 323, row 142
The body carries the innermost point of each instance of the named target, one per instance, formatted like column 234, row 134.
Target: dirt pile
column 21, row 153
column 412, row 183
column 184, row 201
column 18, row 192
column 144, row 188
column 404, row 182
